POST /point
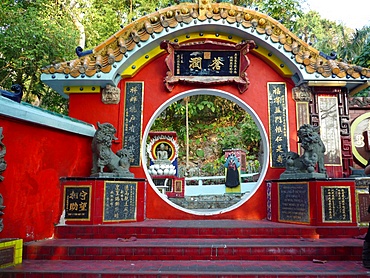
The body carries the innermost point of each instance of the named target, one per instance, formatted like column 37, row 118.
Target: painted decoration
column 329, row 129
column 278, row 123
column 207, row 62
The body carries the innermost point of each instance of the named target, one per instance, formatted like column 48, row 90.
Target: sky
column 353, row 13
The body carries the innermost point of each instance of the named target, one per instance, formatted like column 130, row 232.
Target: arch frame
column 242, row 104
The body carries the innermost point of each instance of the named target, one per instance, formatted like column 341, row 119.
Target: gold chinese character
column 277, row 100
column 83, row 206
column 278, row 139
column 133, row 90
column 279, row 158
column 133, row 99
column 279, row 149
column 278, row 119
column 216, row 63
column 73, row 195
column 277, row 110
column 73, row 206
column 83, row 195
column 195, row 63
column 278, row 129
column 276, row 91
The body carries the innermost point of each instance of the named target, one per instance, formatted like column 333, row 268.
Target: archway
column 242, row 104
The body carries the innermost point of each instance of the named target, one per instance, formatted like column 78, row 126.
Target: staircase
column 202, row 248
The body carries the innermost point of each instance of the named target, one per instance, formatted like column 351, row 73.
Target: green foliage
column 200, row 153
column 229, row 138
column 314, row 30
column 214, row 168
column 363, row 58
column 215, row 124
column 285, row 11
column 32, row 34
column 35, row 33
column 328, row 36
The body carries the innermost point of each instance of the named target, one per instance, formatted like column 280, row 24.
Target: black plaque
column 278, row 123
column 294, row 203
column 363, row 203
column 207, row 63
column 133, row 120
column 336, row 204
column 77, row 200
column 120, row 199
column 7, row 255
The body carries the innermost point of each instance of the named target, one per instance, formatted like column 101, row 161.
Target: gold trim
column 89, row 209
column 323, row 209
column 327, row 83
column 286, row 119
column 104, row 201
column 264, row 54
column 169, row 143
column 308, row 200
column 358, row 192
column 178, row 184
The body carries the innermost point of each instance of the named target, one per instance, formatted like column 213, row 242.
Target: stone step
column 182, row 269
column 206, row 229
column 135, row 249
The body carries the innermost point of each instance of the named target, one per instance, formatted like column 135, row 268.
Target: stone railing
column 215, row 185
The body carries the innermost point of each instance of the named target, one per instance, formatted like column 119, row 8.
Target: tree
column 285, row 11
column 321, row 33
column 36, row 33
column 354, row 49
column 32, row 34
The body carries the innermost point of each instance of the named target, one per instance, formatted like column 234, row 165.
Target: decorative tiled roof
column 102, row 57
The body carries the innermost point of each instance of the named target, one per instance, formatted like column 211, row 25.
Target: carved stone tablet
column 294, row 203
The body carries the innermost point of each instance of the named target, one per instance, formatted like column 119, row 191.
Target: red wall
column 88, row 107
column 37, row 156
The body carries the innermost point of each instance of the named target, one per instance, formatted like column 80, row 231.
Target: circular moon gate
column 239, row 102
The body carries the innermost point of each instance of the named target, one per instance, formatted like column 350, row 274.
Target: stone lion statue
column 118, row 163
column 304, row 166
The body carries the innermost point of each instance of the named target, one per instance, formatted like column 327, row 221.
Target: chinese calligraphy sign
column 207, row 62
column 336, row 204
column 294, row 202
column 77, row 200
column 120, row 200
column 278, row 123
column 133, row 120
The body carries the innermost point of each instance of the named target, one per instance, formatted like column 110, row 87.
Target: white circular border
column 242, row 104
